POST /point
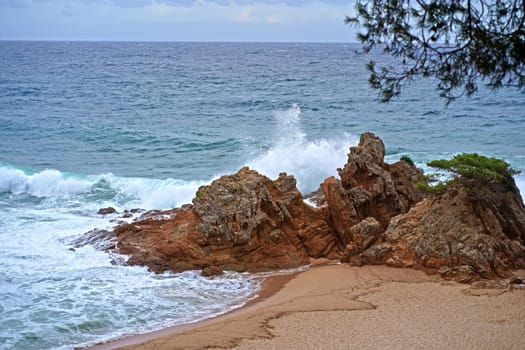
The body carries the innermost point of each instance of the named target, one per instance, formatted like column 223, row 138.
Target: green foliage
column 459, row 42
column 473, row 165
column 431, row 184
column 466, row 165
column 439, row 187
column 407, row 159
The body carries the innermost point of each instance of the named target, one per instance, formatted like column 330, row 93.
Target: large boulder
column 369, row 188
column 243, row 221
column 474, row 230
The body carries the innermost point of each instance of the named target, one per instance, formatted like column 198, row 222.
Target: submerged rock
column 107, row 210
column 104, row 240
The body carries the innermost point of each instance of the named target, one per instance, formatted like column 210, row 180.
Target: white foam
column 126, row 191
column 154, row 193
column 43, row 184
column 520, row 182
column 309, row 161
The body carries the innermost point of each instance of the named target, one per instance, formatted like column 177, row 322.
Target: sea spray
column 309, row 161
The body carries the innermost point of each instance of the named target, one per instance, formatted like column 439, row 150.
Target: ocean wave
column 46, row 183
column 152, row 193
column 105, row 188
column 309, row 161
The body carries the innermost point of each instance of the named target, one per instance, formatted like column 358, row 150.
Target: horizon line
column 180, row 41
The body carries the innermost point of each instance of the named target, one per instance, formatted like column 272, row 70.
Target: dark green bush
column 407, row 159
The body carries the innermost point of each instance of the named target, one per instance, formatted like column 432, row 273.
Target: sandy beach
column 343, row 307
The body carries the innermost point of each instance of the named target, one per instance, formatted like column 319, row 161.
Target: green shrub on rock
column 475, row 166
column 469, row 166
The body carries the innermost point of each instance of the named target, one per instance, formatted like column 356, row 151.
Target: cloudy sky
column 176, row 20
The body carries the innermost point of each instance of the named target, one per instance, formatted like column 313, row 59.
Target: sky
column 177, row 20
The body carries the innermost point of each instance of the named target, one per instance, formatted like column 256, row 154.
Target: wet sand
column 343, row 307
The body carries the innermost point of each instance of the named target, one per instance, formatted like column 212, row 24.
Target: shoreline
column 269, row 286
column 339, row 306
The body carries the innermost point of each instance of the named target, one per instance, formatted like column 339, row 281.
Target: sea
column 86, row 125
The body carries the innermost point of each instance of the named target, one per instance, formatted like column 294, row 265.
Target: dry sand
column 342, row 307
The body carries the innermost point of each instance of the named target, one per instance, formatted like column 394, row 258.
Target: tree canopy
column 459, row 42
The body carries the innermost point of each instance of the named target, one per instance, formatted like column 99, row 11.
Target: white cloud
column 237, row 20
column 245, row 11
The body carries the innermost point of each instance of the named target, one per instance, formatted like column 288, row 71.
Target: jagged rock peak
column 368, row 187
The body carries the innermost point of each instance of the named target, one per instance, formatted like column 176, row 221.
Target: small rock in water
column 118, row 260
column 108, row 210
column 211, row 271
column 127, row 214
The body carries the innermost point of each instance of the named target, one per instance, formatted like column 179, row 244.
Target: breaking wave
column 309, row 161
column 105, row 189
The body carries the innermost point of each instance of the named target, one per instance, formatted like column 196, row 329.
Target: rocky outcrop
column 239, row 222
column 371, row 214
column 368, row 188
column 474, row 230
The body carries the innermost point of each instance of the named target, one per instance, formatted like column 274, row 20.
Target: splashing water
column 310, row 161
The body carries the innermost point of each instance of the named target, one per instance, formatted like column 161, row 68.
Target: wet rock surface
column 107, row 210
column 104, row 240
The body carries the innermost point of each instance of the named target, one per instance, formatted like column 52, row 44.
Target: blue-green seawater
column 85, row 125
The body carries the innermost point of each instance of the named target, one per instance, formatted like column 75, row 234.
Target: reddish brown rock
column 362, row 235
column 211, row 271
column 369, row 188
column 246, row 221
column 163, row 242
column 474, row 230
column 243, row 221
